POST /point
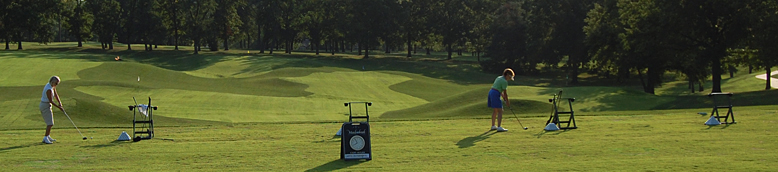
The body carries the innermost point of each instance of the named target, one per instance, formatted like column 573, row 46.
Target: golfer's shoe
column 494, row 127
column 51, row 139
column 500, row 129
column 46, row 140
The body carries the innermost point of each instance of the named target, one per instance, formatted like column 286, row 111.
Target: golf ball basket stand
column 720, row 104
column 555, row 103
column 142, row 128
column 355, row 139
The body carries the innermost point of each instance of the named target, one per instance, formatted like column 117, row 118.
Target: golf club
column 517, row 118
column 74, row 124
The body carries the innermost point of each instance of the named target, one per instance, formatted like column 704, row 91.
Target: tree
column 198, row 16
column 763, row 35
column 370, row 20
column 105, row 24
column 129, row 21
column 31, row 20
column 602, row 40
column 151, row 29
column 450, row 17
column 509, row 39
column 5, row 8
column 711, row 26
column 172, row 17
column 80, row 22
column 644, row 40
column 225, row 21
column 315, row 20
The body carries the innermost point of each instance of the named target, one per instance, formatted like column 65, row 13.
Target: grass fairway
column 657, row 141
column 231, row 111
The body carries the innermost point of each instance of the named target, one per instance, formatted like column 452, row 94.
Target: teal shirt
column 500, row 84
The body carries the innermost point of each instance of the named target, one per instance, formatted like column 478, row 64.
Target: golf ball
column 91, row 137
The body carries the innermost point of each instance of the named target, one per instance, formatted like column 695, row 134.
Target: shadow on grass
column 470, row 141
column 335, row 165
column 544, row 132
column 109, row 144
column 335, row 138
column 725, row 126
column 19, row 147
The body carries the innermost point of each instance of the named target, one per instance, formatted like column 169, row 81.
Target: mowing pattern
column 264, row 88
column 658, row 141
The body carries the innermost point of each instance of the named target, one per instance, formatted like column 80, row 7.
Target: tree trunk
column 478, row 55
column 110, row 45
column 651, row 78
column 273, row 45
column 19, row 45
column 290, row 45
column 316, row 45
column 691, row 84
column 226, row 42
column 334, row 47
column 367, row 51
column 750, row 69
column 642, row 80
column 448, row 48
column 716, row 65
column 767, row 84
column 699, row 84
column 175, row 26
column 262, row 41
column 196, row 45
column 79, row 41
column 408, row 43
column 7, row 42
column 386, row 48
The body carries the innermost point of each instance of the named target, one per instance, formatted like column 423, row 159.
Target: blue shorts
column 494, row 99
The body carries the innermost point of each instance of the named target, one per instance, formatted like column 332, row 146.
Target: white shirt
column 44, row 98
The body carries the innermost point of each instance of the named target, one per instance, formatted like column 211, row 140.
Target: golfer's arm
column 505, row 97
column 56, row 95
column 48, row 95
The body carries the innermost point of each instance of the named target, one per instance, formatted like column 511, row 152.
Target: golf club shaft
column 74, row 124
column 517, row 117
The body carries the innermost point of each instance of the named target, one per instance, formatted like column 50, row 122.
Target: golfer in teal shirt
column 499, row 89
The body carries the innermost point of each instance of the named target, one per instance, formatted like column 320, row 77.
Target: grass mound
column 468, row 104
column 127, row 75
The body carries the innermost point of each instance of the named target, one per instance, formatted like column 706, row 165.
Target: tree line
column 617, row 39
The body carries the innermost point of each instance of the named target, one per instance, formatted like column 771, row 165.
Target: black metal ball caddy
column 355, row 139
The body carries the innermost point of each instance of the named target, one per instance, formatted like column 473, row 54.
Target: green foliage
column 106, row 14
column 29, row 20
column 80, row 22
column 509, row 41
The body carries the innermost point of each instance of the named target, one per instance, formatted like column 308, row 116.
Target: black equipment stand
column 555, row 114
column 728, row 106
column 355, row 139
column 147, row 127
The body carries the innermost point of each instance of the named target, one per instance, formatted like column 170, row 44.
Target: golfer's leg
column 48, row 129
column 494, row 115
column 499, row 118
